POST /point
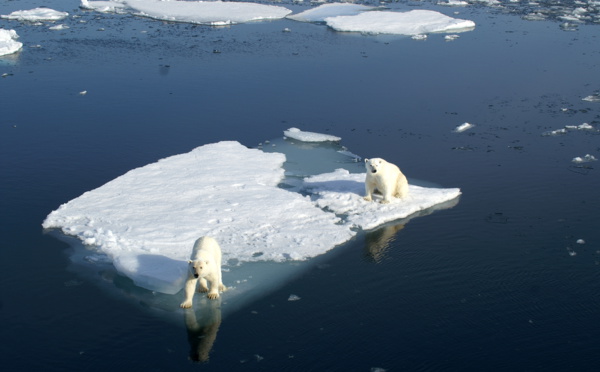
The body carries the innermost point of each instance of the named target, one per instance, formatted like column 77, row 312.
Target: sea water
column 505, row 280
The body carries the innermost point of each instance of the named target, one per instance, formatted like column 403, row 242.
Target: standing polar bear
column 386, row 178
column 204, row 265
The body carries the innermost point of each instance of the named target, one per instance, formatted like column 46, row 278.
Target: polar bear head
column 374, row 165
column 199, row 268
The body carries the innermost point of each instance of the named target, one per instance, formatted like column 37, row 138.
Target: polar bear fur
column 386, row 178
column 204, row 265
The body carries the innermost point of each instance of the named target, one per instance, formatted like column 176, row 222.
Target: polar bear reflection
column 378, row 242
column 202, row 326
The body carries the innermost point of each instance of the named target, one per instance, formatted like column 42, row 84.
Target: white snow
column 146, row 221
column 413, row 22
column 303, row 136
column 206, row 12
column 37, row 14
column 321, row 12
column 8, row 42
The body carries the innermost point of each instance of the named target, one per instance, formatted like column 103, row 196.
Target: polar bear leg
column 368, row 191
column 387, row 195
column 203, row 287
column 190, row 285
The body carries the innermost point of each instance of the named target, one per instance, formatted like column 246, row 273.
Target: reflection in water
column 379, row 241
column 202, row 326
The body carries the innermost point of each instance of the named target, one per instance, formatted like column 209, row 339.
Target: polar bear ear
column 190, row 261
column 366, row 160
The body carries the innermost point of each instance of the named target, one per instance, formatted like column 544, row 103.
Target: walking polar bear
column 386, row 178
column 204, row 265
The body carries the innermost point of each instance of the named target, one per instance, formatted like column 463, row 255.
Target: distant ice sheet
column 37, row 14
column 8, row 42
column 321, row 12
column 299, row 135
column 413, row 22
column 147, row 220
column 206, row 12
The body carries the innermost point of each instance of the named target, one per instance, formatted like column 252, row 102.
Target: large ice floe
column 261, row 205
column 8, row 42
column 36, row 15
column 414, row 22
column 197, row 12
column 365, row 19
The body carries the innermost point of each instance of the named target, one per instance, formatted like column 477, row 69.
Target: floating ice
column 206, row 12
column 592, row 98
column 8, row 42
column 463, row 127
column 584, row 126
column 299, row 135
column 453, row 3
column 59, row 27
column 321, row 12
column 451, row 37
column 587, row 158
column 407, row 23
column 580, row 241
column 146, row 221
column 37, row 14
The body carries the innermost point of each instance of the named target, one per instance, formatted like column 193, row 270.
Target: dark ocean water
column 497, row 283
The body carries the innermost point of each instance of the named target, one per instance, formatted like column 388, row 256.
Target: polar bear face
column 199, row 268
column 374, row 165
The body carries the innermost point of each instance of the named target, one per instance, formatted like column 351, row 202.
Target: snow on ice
column 146, row 221
column 8, row 42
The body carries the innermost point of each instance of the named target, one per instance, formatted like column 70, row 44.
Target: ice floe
column 35, row 15
column 206, row 12
column 8, row 42
column 104, row 6
column 557, row 132
column 300, row 135
column 146, row 221
column 413, row 22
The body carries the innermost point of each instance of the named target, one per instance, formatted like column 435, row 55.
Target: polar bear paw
column 186, row 304
column 367, row 198
column 202, row 289
column 212, row 296
column 222, row 288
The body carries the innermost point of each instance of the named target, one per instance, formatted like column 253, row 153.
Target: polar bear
column 386, row 178
column 204, row 265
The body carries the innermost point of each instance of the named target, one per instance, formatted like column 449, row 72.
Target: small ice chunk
column 451, row 37
column 555, row 132
column 37, row 14
column 580, row 241
column 592, row 98
column 300, row 135
column 419, row 37
column 585, row 159
column 463, row 127
column 59, row 27
column 103, row 6
column 293, row 297
column 8, row 42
